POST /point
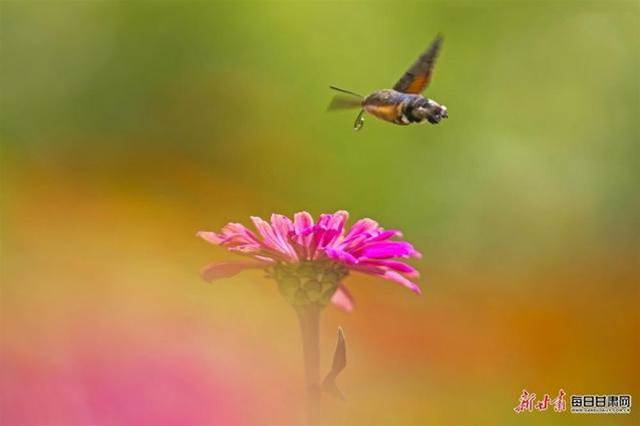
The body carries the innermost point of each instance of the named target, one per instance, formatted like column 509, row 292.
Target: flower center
column 308, row 283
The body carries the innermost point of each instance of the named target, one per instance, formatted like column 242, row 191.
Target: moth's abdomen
column 387, row 105
column 389, row 112
column 403, row 108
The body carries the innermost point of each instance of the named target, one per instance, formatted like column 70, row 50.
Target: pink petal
column 283, row 229
column 391, row 264
column 361, row 226
column 385, row 235
column 264, row 258
column 395, row 276
column 324, row 220
column 342, row 299
column 322, row 234
column 328, row 237
column 237, row 236
column 387, row 249
column 218, row 270
column 210, row 237
column 381, row 272
column 282, row 225
column 340, row 256
column 271, row 240
column 353, row 243
column 335, row 231
column 319, row 233
column 237, row 229
column 246, row 249
column 303, row 228
column 338, row 220
column 301, row 222
column 328, row 230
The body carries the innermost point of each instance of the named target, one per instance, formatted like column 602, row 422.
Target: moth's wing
column 417, row 78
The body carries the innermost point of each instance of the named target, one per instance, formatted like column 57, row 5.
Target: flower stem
column 309, row 319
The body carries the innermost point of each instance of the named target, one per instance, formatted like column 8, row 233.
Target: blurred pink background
column 127, row 127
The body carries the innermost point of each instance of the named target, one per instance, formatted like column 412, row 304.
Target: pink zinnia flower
column 309, row 260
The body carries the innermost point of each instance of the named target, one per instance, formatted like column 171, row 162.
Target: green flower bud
column 308, row 283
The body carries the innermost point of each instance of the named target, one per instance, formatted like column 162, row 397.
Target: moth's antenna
column 349, row 92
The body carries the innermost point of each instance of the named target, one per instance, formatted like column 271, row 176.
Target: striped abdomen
column 403, row 108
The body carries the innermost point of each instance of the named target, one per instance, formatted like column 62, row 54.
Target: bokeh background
column 126, row 127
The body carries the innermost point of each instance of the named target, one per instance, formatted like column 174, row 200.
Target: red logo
column 527, row 402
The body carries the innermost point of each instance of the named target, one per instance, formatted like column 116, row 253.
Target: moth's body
column 403, row 108
column 404, row 103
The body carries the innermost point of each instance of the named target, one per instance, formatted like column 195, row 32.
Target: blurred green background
column 125, row 127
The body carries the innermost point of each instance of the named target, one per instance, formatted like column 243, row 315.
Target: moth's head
column 432, row 111
column 438, row 114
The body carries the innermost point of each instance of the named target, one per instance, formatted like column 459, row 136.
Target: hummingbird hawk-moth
column 403, row 104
